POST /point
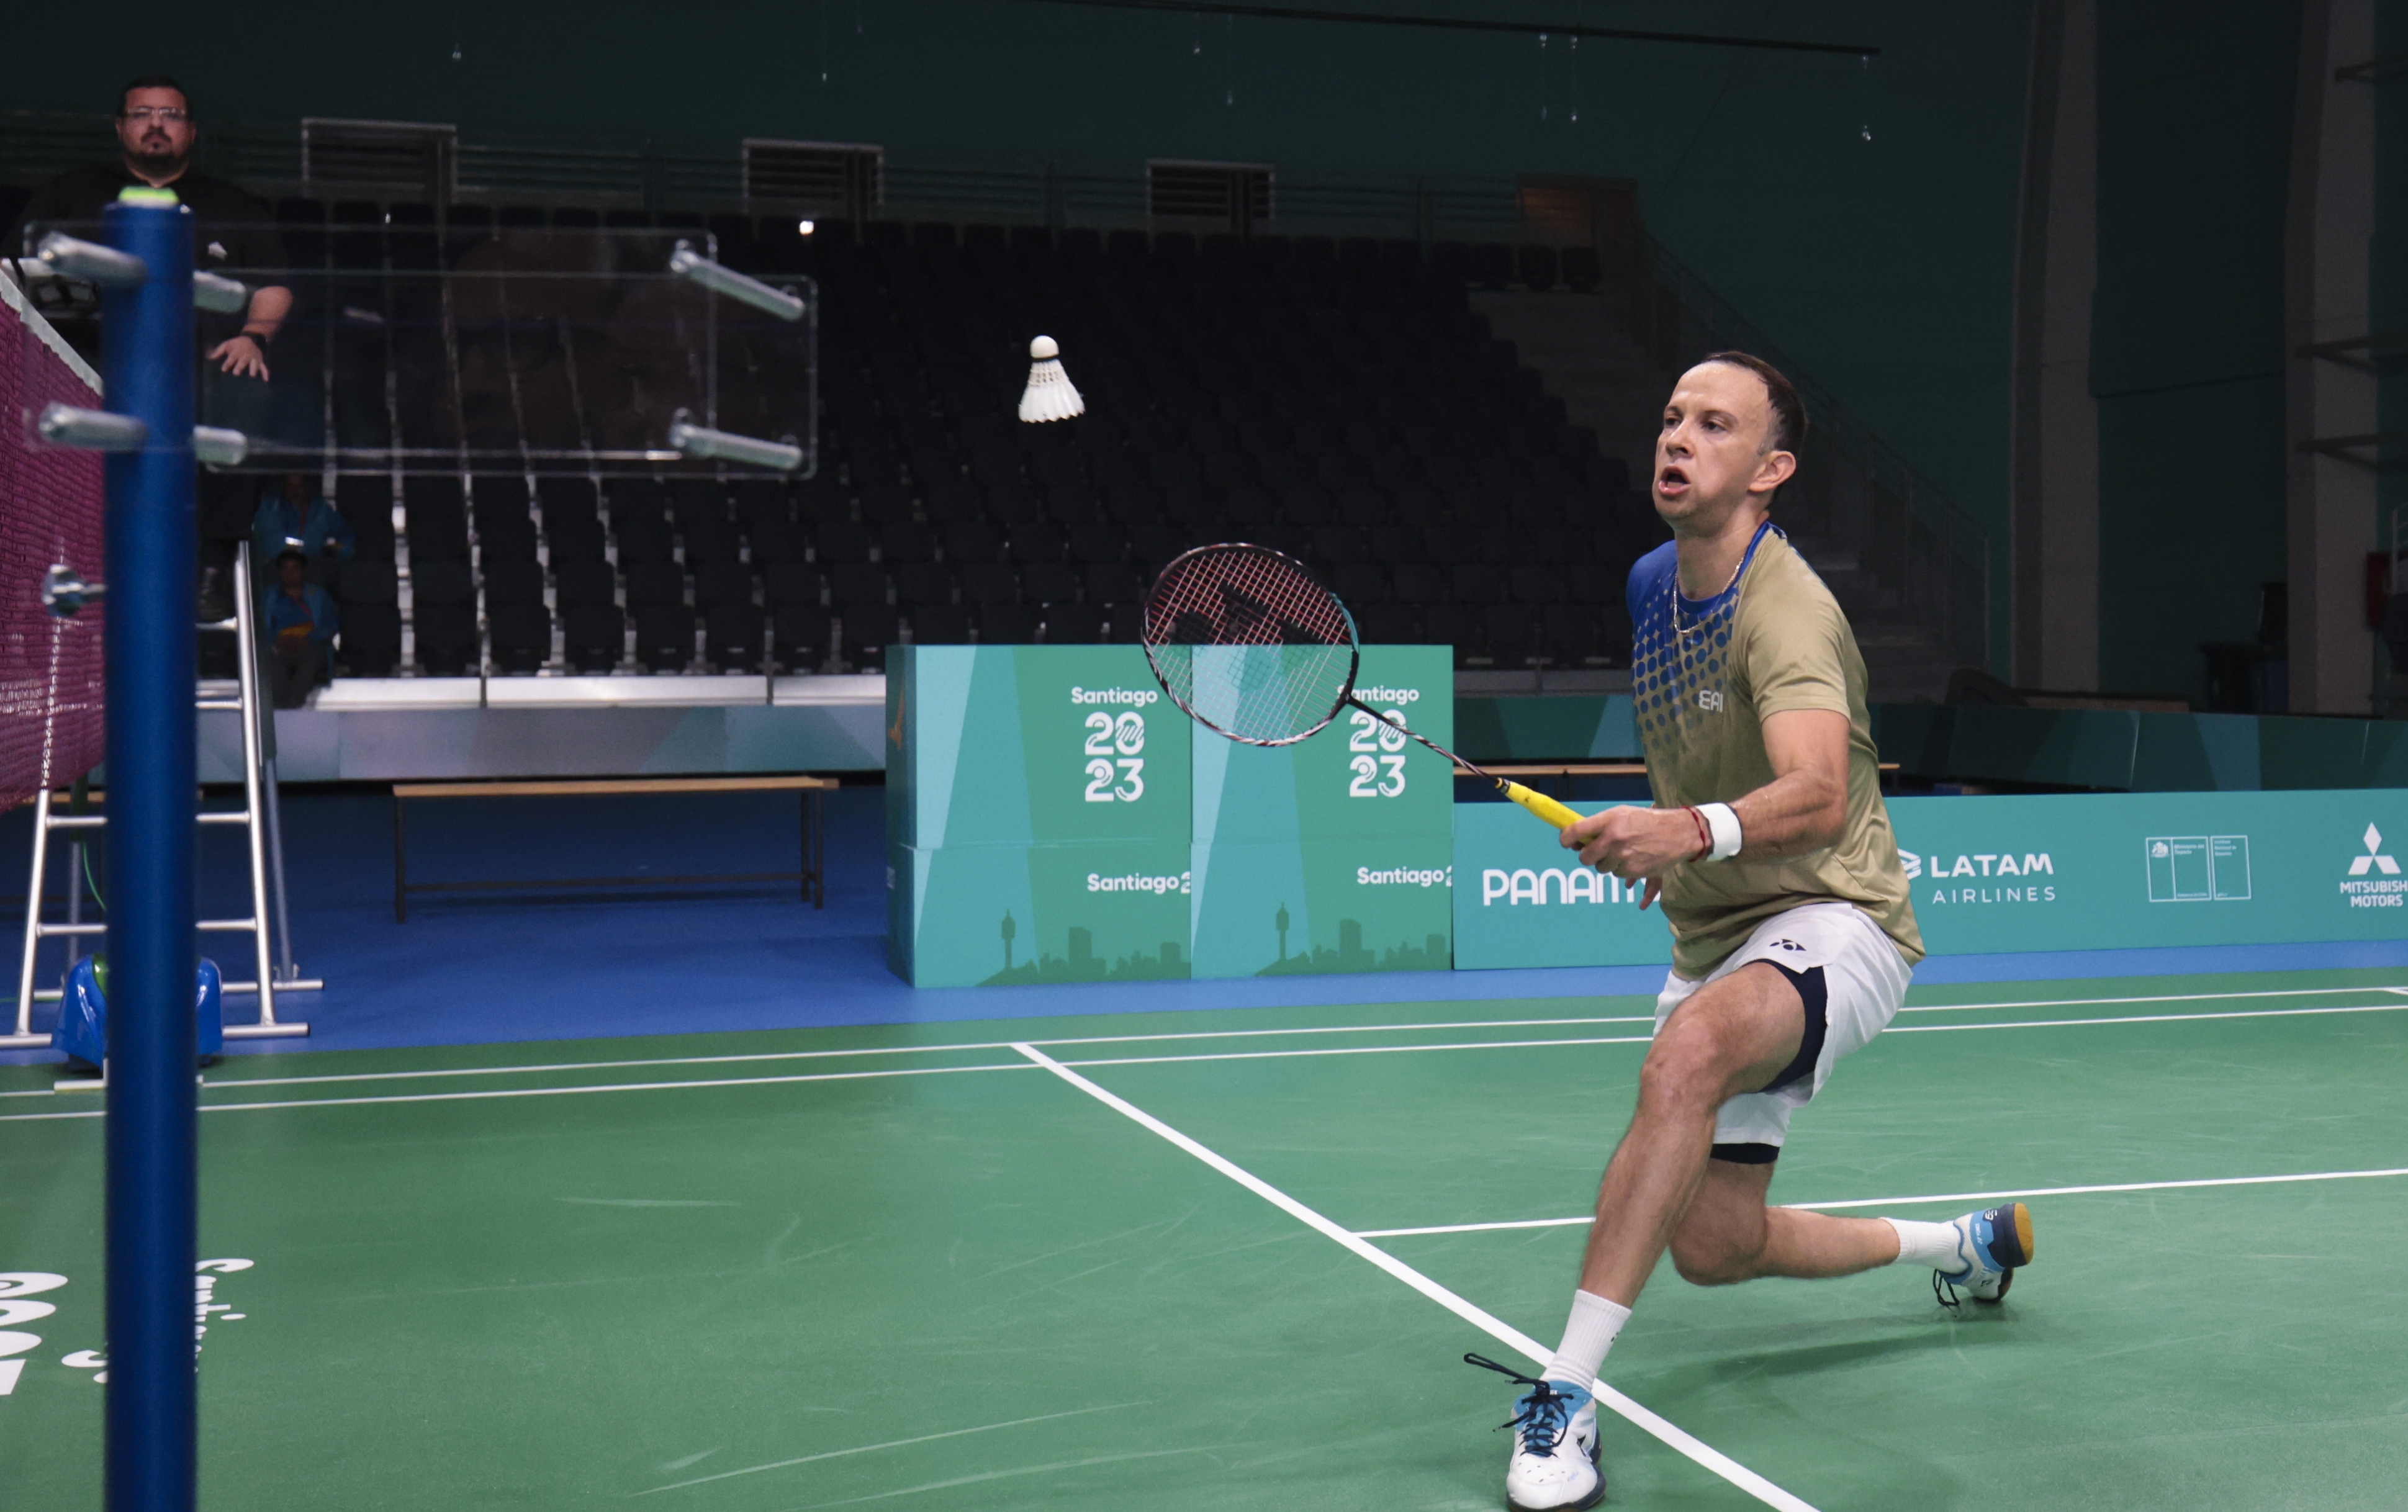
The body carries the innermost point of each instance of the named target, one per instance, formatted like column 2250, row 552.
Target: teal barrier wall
column 1547, row 729
column 1037, row 817
column 1332, row 854
column 2109, row 748
column 2072, row 872
column 1052, row 818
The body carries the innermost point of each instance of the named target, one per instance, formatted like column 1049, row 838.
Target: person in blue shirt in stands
column 302, row 623
column 301, row 516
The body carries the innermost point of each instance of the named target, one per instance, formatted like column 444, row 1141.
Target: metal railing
column 493, row 168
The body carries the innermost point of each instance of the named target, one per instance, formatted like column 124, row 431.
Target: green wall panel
column 1020, row 745
column 2186, row 329
column 1052, row 817
column 994, row 915
column 1324, row 905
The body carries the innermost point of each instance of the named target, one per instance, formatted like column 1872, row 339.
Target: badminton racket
column 1250, row 645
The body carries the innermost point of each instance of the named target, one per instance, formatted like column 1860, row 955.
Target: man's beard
column 157, row 154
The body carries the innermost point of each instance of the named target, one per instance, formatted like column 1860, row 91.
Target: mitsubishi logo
column 2374, row 859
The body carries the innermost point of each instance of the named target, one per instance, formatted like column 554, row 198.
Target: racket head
column 1249, row 644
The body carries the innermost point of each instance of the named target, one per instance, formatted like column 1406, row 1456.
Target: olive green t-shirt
column 1704, row 674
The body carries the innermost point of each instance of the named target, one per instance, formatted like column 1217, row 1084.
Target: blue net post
column 147, row 365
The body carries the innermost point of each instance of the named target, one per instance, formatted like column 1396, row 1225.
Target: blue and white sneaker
column 1991, row 1244
column 1554, row 1467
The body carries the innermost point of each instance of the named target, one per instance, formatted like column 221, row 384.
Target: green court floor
column 755, row 1273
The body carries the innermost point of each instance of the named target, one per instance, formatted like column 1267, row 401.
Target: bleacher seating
column 1339, row 400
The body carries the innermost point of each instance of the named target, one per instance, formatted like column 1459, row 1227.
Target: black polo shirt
column 232, row 228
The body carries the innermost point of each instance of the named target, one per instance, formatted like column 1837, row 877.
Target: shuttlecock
column 1050, row 394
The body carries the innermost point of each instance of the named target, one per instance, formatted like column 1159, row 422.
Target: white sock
column 1924, row 1244
column 1588, row 1335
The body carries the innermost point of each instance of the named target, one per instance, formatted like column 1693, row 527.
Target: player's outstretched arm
column 1805, row 806
column 1803, row 809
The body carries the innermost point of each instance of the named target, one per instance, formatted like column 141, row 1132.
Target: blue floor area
column 491, row 968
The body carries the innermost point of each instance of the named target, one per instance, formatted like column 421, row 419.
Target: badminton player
column 1793, row 936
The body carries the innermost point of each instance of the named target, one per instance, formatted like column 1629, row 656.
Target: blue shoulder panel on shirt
column 1648, row 576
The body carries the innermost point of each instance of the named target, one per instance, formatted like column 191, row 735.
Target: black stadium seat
column 732, row 635
column 799, row 636
column 664, row 637
column 1334, row 398
column 446, row 637
column 521, row 636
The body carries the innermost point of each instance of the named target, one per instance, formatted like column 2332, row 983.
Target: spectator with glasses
column 155, row 136
column 156, row 133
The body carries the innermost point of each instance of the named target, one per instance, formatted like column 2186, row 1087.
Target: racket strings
column 1245, row 639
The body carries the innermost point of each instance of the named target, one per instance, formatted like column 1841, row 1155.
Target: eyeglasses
column 156, row 113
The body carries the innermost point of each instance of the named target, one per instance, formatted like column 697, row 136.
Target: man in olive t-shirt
column 1793, row 933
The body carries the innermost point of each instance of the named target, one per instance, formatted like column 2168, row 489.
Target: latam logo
column 1993, row 865
column 1997, row 863
column 2375, row 891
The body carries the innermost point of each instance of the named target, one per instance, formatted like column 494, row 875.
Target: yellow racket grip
column 1541, row 805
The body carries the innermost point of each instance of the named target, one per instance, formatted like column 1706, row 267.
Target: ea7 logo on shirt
column 1710, row 700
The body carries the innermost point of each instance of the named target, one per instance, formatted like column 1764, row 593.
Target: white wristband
column 1724, row 823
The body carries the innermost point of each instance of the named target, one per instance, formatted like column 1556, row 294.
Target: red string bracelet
column 1705, row 833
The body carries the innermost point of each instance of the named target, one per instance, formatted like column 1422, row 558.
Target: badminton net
column 50, row 668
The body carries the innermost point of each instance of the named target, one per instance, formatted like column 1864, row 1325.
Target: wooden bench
column 812, row 876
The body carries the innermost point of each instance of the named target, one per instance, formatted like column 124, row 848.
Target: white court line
column 484, row 1094
column 1162, row 1059
column 1943, row 1197
column 1496, row 1328
column 891, row 1049
column 2164, row 997
column 764, row 1056
column 547, row 1091
column 2150, row 1018
column 1360, row 1049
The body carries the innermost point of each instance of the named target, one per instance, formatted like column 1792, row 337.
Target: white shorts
column 1863, row 981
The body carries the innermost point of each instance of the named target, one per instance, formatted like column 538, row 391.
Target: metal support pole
column 261, row 713
column 246, row 666
column 25, row 1038
column 147, row 350
column 288, row 973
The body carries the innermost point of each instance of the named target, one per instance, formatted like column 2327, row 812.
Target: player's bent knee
column 1684, row 1070
column 1712, row 1262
